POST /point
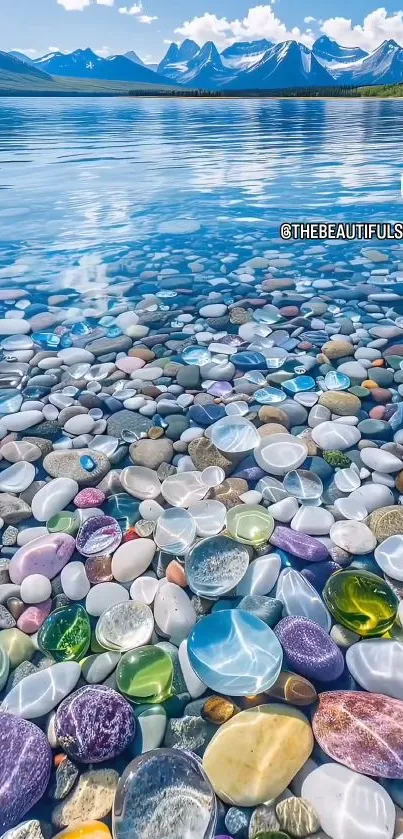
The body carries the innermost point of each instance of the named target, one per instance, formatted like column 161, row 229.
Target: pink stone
column 129, row 364
column 46, row 555
column 377, row 412
column 89, row 497
column 34, row 616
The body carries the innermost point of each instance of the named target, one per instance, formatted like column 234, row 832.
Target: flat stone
column 38, row 694
column 297, row 817
column 353, row 536
column 58, row 464
column 92, row 798
column 151, row 453
column 340, row 402
column 12, row 509
column 128, row 421
column 386, row 522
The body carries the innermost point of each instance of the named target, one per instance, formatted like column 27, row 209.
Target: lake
column 86, row 180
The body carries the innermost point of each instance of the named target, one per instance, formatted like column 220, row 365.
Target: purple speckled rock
column 98, row 535
column 94, row 724
column 46, row 555
column 309, row 649
column 362, row 730
column 25, row 764
column 89, row 497
column 299, row 544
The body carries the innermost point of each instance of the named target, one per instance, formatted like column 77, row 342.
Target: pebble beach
column 201, row 567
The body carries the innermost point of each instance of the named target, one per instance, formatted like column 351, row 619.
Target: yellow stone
column 86, row 830
column 254, row 756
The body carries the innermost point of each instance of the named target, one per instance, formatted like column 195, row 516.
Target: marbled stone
column 25, row 762
column 361, row 601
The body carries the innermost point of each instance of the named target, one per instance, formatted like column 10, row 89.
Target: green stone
column 17, row 646
column 64, row 522
column 361, row 601
column 4, row 667
column 66, row 633
column 145, row 675
column 361, row 392
column 250, row 524
column 337, row 460
column 271, row 834
column 393, row 361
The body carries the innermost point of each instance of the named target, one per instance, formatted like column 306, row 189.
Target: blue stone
column 367, row 562
column 66, row 341
column 87, row 463
column 249, row 360
column 318, row 573
column 268, row 609
column 301, row 384
column 235, row 653
column 269, row 396
column 205, row 415
column 123, row 508
column 196, row 355
column 337, row 381
column 10, row 401
column 113, row 332
column 46, row 340
column 394, row 788
column 81, row 328
column 249, row 470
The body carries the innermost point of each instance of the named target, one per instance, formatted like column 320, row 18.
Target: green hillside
column 26, row 84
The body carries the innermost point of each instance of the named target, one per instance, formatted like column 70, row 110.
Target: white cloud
column 309, row 19
column 378, row 26
column 147, row 18
column 260, row 22
column 80, row 5
column 136, row 9
column 105, row 2
column 30, row 51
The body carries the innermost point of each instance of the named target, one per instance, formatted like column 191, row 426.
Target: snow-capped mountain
column 132, row 56
column 284, row 66
column 176, row 57
column 22, row 57
column 86, row 64
column 204, row 70
column 331, row 54
column 241, row 55
column 383, row 66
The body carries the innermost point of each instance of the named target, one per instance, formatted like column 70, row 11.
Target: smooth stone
column 297, row 817
column 309, row 650
column 17, row 646
column 21, row 421
column 66, row 633
column 99, row 534
column 361, row 601
column 53, row 497
column 32, row 618
column 87, row 498
column 347, row 480
column 194, row 685
column 234, row 652
column 377, row 666
column 293, row 689
column 174, row 613
column 151, row 723
column 353, row 536
column 17, row 450
column 125, row 626
column 103, row 596
column 145, row 675
column 349, row 806
column 97, row 668
column 74, row 580
column 132, row 559
column 26, row 830
column 175, row 531
column 144, row 589
column 361, row 730
column 250, row 524
column 91, row 798
column 386, row 521
column 335, row 436
column 184, row 489
column 46, row 555
column 12, row 509
column 17, row 477
column 261, row 576
column 341, row 403
column 263, row 820
column 253, row 757
column 278, row 454
column 389, row 556
column 128, row 421
column 38, row 694
column 300, row 598
column 4, row 667
column 59, row 463
column 35, row 589
column 94, row 724
column 343, row 637
column 299, row 544
column 314, row 521
column 165, row 793
column 151, row 453
column 234, row 436
column 25, row 764
column 284, row 510
column 140, row 482
column 215, row 565
column 380, row 460
column 209, row 516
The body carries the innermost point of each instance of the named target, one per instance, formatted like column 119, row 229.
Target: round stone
column 37, row 694
column 98, row 535
column 293, row 689
column 253, row 757
column 94, row 724
column 46, row 555
column 361, row 601
column 234, row 436
column 125, row 626
column 335, row 436
column 309, row 650
column 132, row 559
column 209, row 516
column 389, row 556
column 175, row 531
column 17, row 477
column 35, row 589
column 353, row 536
column 297, row 817
column 53, row 497
column 215, row 565
column 377, row 666
column 164, row 793
column 74, row 580
column 304, row 485
column 145, row 675
column 235, row 653
column 66, row 633
column 140, row 482
column 250, row 524
column 90, row 497
column 26, row 758
column 278, row 454
column 184, row 489
column 104, row 595
column 59, row 463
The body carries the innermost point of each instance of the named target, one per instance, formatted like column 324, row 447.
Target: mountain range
column 256, row 65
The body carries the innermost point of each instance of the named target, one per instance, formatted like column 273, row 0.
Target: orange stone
column 379, row 362
column 369, row 384
column 85, row 830
column 175, row 573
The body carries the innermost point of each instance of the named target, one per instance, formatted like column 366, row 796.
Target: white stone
column 315, row 521
column 184, row 489
column 335, row 436
column 261, row 575
column 251, row 497
column 284, row 510
column 144, row 589
column 80, row 424
column 349, row 805
column 35, row 589
column 52, row 498
column 39, row 693
column 22, row 420
column 97, row 668
column 377, row 665
column 194, row 685
column 75, row 355
column 300, row 598
column 389, row 556
column 17, row 477
column 132, row 559
column 347, row 480
column 213, row 310
column 174, row 613
column 74, row 580
column 351, row 508
column 373, row 496
column 14, row 326
column 278, row 454
column 141, row 482
column 150, row 510
column 210, row 517
column 381, row 460
column 353, row 536
column 104, row 595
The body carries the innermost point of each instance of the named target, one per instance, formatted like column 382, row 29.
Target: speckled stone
column 205, row 454
column 128, row 421
column 297, row 817
column 91, row 798
column 299, row 544
column 25, row 762
column 263, row 820
column 94, row 724
column 309, row 649
column 58, row 464
column 63, row 780
column 12, row 509
column 27, row 830
column 385, row 522
column 151, row 453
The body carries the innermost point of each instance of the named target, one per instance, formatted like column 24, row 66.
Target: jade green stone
column 4, row 668
column 394, row 361
column 17, row 646
column 337, row 460
column 64, row 522
column 250, row 524
column 145, row 675
column 361, row 392
column 66, row 633
column 361, row 601
column 271, row 834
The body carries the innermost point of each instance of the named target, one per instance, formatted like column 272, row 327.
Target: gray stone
column 26, row 830
column 128, row 421
column 12, row 509
column 297, row 817
column 151, row 453
column 6, row 619
column 63, row 779
column 103, row 346
column 263, row 819
column 60, row 464
column 191, row 733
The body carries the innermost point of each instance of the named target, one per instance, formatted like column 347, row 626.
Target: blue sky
column 116, row 26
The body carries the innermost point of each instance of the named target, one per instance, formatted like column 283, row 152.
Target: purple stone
column 299, row 544
column 25, row 764
column 46, row 555
column 309, row 649
column 220, row 389
column 98, row 535
column 94, row 724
